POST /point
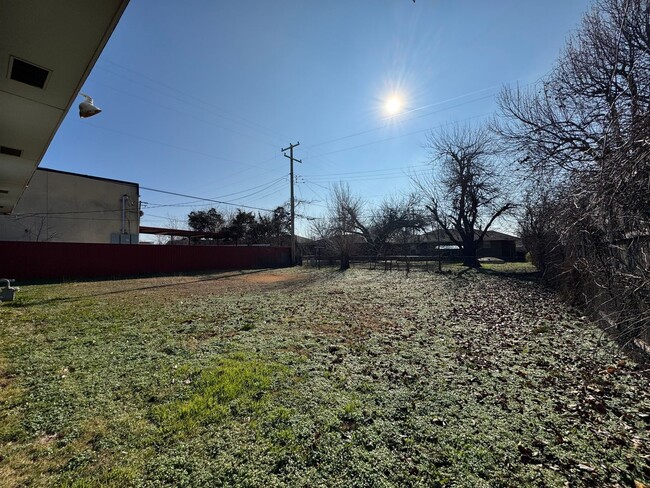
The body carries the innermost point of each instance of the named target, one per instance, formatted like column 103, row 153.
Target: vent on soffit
column 28, row 73
column 11, row 151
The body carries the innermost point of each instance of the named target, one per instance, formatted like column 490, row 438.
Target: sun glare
column 393, row 105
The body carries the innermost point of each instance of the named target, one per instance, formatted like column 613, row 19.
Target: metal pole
column 123, row 229
column 293, row 206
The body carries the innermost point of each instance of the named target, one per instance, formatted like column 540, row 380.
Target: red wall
column 64, row 260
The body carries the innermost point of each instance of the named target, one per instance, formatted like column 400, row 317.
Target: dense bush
column 583, row 138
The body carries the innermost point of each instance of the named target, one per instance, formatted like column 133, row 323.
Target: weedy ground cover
column 301, row 377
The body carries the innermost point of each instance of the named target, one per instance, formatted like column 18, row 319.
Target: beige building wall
column 68, row 207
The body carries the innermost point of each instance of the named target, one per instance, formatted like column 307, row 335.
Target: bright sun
column 393, row 105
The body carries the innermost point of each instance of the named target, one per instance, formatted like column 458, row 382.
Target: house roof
column 440, row 236
column 351, row 239
column 51, row 47
column 304, row 240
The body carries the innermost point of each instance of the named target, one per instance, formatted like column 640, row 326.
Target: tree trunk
column 345, row 263
column 469, row 254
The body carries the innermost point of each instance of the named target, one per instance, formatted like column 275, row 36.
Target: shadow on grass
column 211, row 277
column 528, row 276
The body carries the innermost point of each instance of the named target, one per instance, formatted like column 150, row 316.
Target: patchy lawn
column 300, row 377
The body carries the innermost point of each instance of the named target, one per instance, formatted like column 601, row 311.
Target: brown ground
column 178, row 287
column 267, row 277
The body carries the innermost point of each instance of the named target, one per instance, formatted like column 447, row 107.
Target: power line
column 194, row 203
column 374, row 178
column 262, row 190
column 190, row 115
column 202, row 102
column 370, row 171
column 308, row 185
column 150, row 205
column 72, row 212
column 202, row 203
column 251, row 166
column 405, row 120
column 395, row 174
column 232, row 204
column 154, row 141
column 256, row 190
column 401, row 115
column 262, row 187
column 402, row 135
column 266, row 195
column 211, row 156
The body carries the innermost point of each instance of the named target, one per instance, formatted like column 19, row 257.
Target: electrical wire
column 265, row 189
column 377, row 141
column 186, row 114
column 150, row 205
column 205, row 199
column 374, row 129
column 281, row 178
column 312, row 180
column 401, row 115
column 238, row 162
column 72, row 212
column 202, row 102
column 308, row 147
column 154, row 141
column 274, row 192
column 251, row 167
column 365, row 172
column 259, row 188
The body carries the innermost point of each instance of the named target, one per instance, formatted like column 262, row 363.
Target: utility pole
column 293, row 205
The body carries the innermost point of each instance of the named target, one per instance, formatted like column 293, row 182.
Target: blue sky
column 199, row 97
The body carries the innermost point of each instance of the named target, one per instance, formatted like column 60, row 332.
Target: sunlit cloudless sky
column 199, row 97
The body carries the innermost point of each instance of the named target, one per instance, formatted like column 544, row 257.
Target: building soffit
column 51, row 47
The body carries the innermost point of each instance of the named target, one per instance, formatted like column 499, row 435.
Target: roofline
column 100, row 178
column 440, row 236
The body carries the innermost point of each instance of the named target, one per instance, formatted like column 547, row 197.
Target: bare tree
column 539, row 230
column 392, row 215
column 350, row 222
column 584, row 134
column 465, row 192
column 40, row 230
column 172, row 222
column 337, row 229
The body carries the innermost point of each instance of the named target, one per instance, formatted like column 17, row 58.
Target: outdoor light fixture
column 87, row 107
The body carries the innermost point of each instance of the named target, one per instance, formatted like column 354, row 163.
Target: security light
column 87, row 107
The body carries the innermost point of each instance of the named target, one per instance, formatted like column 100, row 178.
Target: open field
column 300, row 377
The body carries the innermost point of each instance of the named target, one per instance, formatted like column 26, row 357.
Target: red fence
column 63, row 260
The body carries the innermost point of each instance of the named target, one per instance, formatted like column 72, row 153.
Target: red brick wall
column 62, row 260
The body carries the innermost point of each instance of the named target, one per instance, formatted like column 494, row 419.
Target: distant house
column 434, row 243
column 331, row 247
column 495, row 244
column 58, row 206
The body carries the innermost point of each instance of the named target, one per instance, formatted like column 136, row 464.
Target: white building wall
column 67, row 207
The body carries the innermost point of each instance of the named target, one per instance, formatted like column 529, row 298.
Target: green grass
column 315, row 378
column 234, row 387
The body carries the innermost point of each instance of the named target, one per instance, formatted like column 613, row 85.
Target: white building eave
column 63, row 38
